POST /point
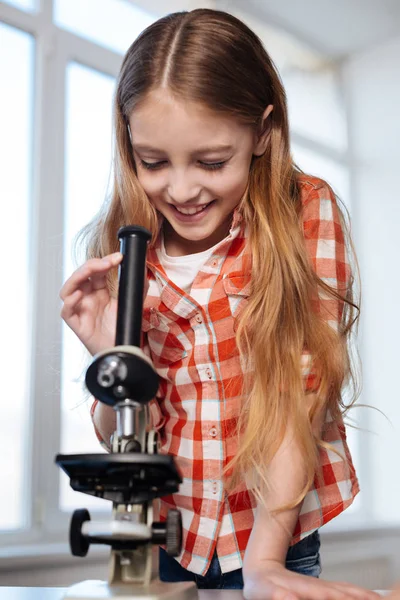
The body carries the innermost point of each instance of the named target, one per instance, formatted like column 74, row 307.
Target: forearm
column 271, row 534
column 286, row 474
column 104, row 420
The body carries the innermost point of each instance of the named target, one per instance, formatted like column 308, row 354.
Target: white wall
column 372, row 83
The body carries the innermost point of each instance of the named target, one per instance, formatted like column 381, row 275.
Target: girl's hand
column 88, row 309
column 395, row 593
column 272, row 581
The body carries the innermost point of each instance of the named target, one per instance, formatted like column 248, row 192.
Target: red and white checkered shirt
column 191, row 341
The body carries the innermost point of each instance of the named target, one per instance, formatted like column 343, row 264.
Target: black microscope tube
column 133, row 245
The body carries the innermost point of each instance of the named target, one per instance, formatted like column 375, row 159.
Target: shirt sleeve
column 325, row 244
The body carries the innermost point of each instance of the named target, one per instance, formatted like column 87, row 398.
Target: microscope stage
column 122, row 478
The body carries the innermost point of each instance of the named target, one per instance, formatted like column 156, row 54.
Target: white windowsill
column 358, row 530
column 43, row 555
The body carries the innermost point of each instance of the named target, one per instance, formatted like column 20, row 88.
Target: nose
column 181, row 189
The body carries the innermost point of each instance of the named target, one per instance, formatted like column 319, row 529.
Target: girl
column 247, row 312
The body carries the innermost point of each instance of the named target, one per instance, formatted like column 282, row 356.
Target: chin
column 190, row 237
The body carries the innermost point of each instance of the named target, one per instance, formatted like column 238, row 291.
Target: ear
column 263, row 137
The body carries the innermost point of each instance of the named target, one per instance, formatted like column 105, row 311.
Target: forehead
column 165, row 120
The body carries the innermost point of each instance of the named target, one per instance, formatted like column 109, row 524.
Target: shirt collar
column 236, row 219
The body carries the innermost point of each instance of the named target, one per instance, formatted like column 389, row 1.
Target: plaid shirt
column 191, row 341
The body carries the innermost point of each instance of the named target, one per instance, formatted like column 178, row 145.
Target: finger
column 332, row 591
column 98, row 282
column 90, row 269
column 283, row 594
column 310, row 588
column 70, row 304
column 86, row 287
column 267, row 591
column 355, row 590
column 99, row 279
column 115, row 258
column 82, row 275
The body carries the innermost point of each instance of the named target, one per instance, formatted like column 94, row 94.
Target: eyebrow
column 205, row 150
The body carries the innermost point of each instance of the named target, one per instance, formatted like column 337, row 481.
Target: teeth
column 191, row 211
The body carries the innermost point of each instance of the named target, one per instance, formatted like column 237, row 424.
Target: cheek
column 151, row 184
column 233, row 184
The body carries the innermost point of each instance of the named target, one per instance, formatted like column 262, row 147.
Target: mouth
column 193, row 210
column 192, row 213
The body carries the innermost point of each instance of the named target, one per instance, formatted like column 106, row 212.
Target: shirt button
column 213, row 432
column 214, row 263
column 209, row 373
column 198, row 318
column 215, row 487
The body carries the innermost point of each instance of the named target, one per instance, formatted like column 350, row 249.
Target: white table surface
column 36, row 593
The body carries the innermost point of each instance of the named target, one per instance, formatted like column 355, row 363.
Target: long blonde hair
column 211, row 57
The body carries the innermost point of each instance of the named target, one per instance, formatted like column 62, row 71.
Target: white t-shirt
column 182, row 270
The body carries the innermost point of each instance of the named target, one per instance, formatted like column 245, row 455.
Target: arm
column 104, row 419
column 104, row 422
column 264, row 573
column 270, row 536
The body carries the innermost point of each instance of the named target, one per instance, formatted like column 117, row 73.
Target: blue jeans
column 302, row 558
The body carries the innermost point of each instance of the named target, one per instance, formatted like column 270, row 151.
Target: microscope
column 134, row 474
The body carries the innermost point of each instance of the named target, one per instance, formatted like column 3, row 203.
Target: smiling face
column 193, row 164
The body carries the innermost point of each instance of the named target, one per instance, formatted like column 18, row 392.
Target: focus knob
column 174, row 533
column 79, row 544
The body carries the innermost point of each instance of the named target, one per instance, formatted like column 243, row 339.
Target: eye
column 213, row 166
column 152, row 166
column 159, row 164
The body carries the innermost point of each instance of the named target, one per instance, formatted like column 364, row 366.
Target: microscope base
column 156, row 590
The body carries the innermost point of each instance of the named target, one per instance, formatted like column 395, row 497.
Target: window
column 331, row 171
column 16, row 301
column 28, row 5
column 111, row 23
column 56, row 152
column 315, row 104
column 88, row 160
